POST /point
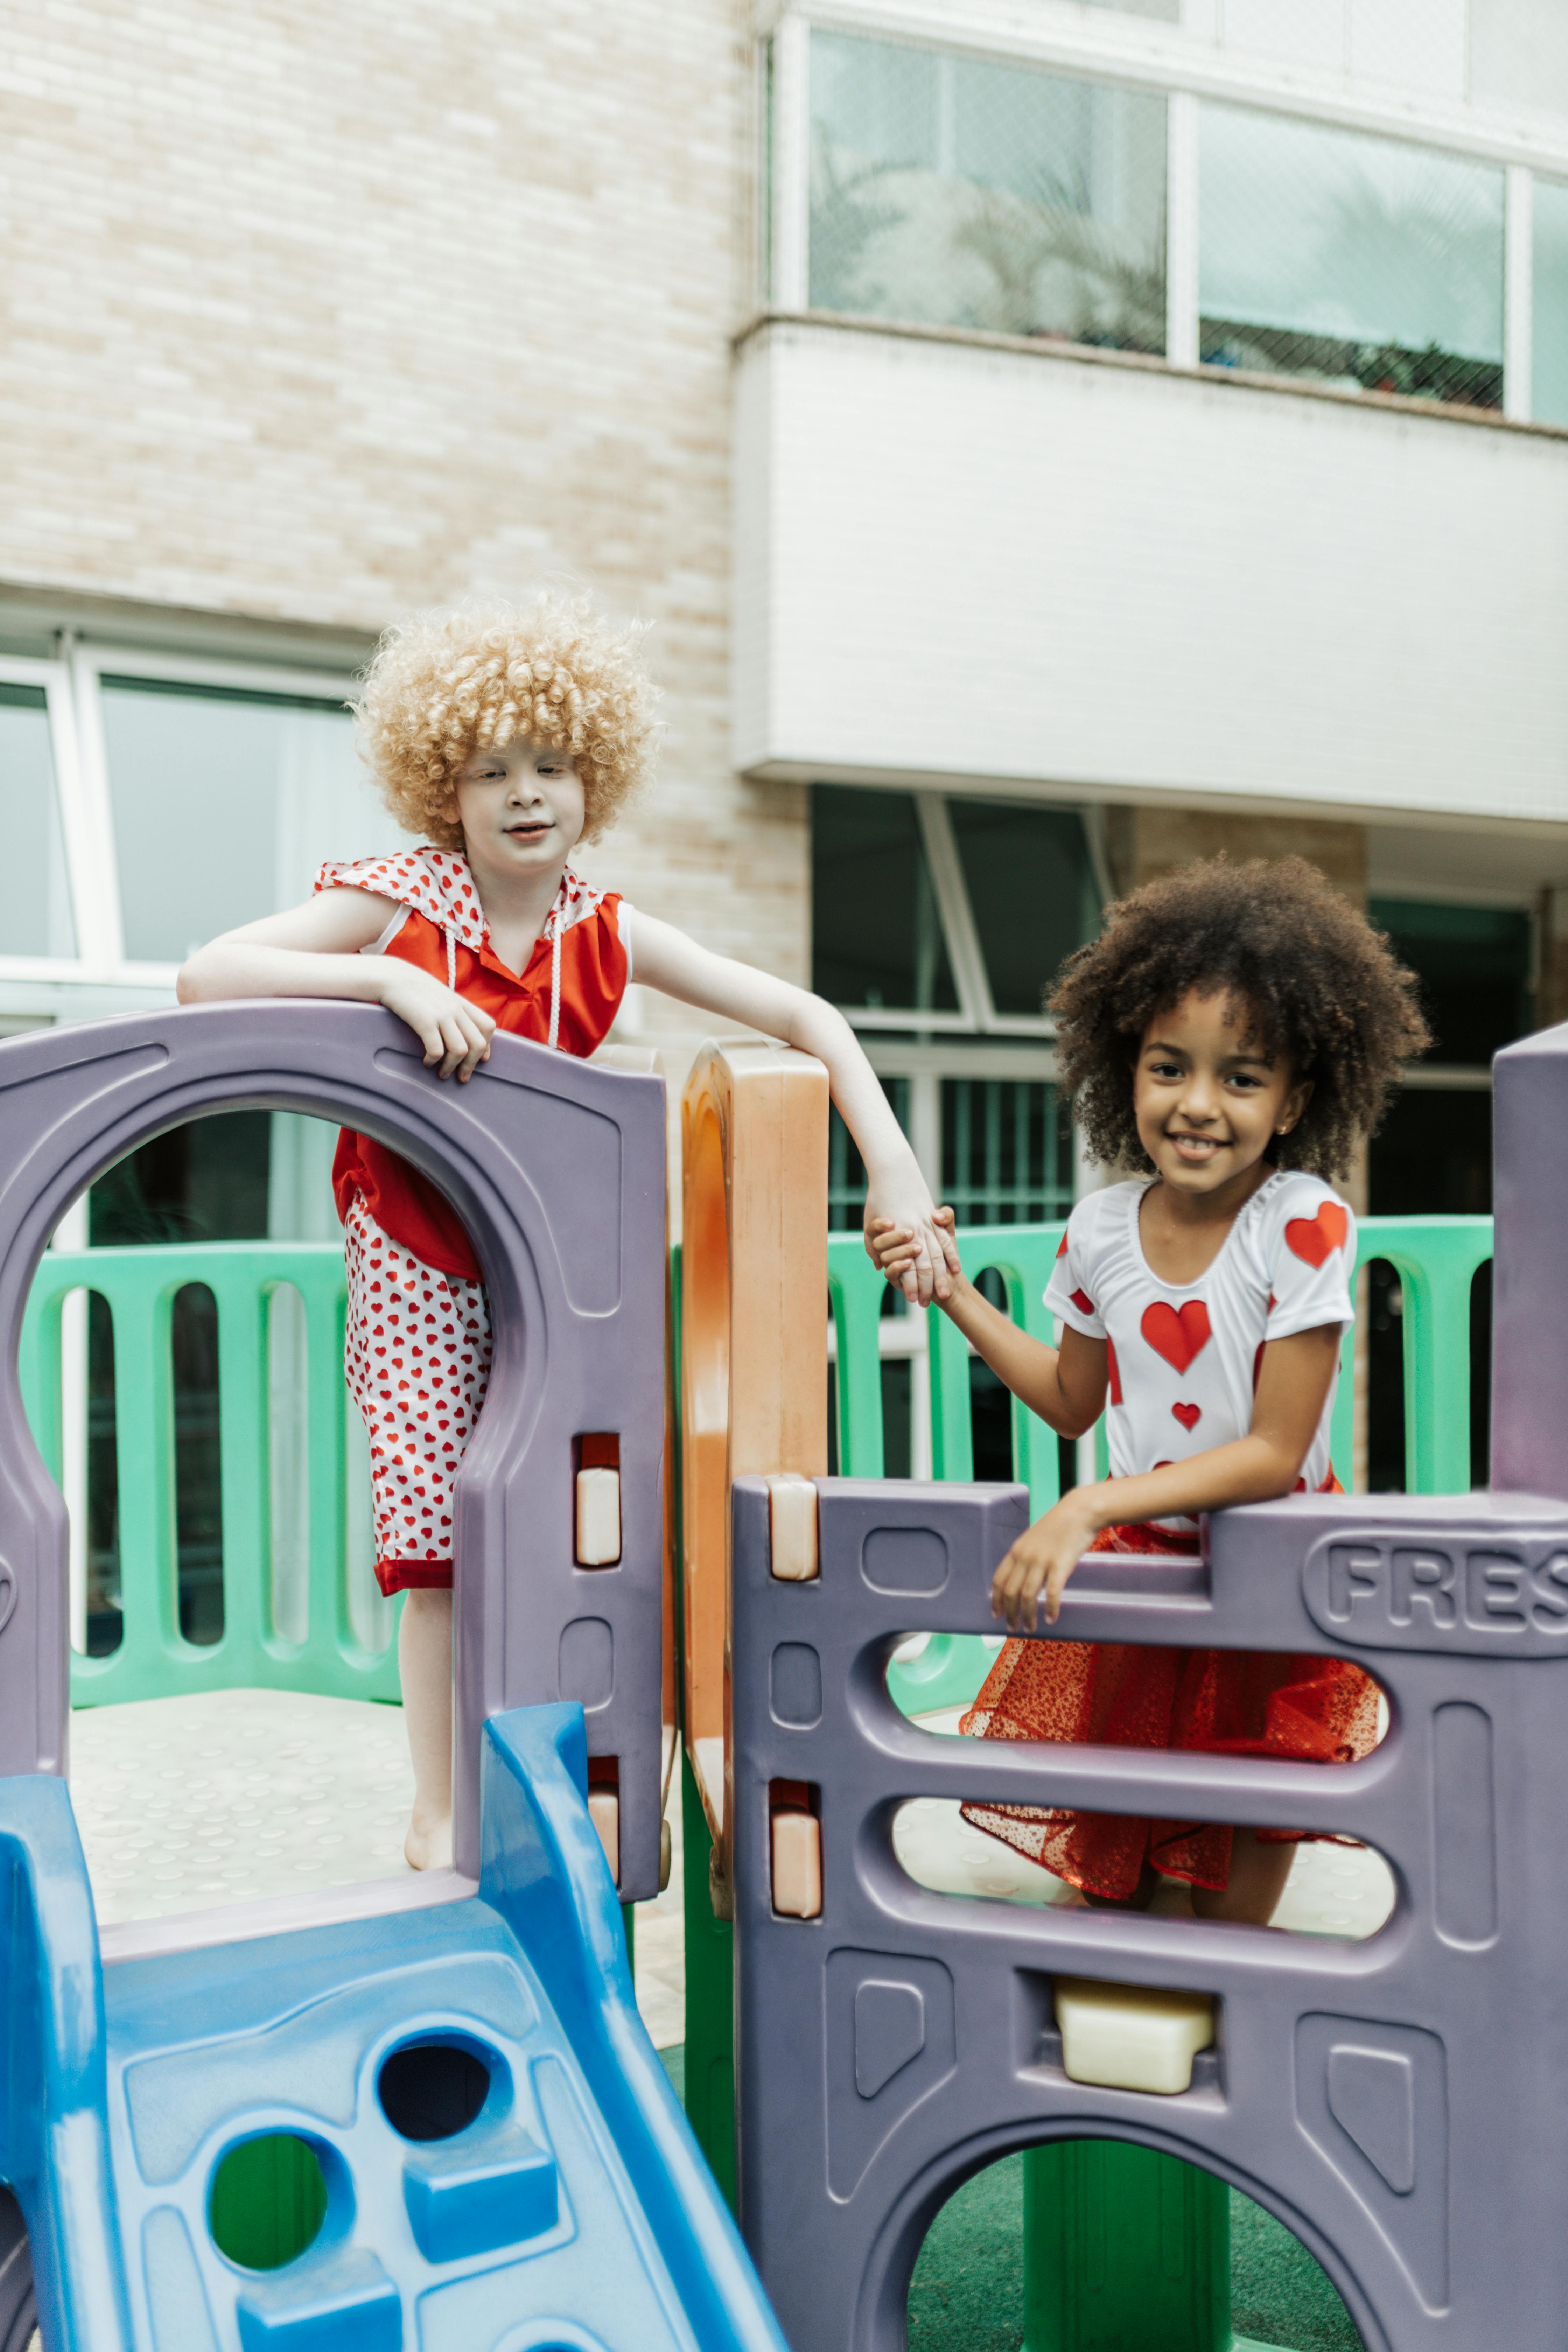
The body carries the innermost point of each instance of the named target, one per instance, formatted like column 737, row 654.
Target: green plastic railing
column 1437, row 1259
column 154, row 1660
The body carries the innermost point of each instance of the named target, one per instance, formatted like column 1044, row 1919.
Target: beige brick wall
column 320, row 312
column 1144, row 842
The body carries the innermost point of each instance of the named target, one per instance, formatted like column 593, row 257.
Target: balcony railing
column 286, row 1468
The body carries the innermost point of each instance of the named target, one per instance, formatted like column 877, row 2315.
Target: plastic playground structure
column 1391, row 2100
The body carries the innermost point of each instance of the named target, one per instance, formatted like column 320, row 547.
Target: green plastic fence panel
column 855, row 1294
column 1436, row 1260
column 154, row 1659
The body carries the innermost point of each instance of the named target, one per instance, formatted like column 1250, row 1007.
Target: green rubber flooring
column 967, row 2293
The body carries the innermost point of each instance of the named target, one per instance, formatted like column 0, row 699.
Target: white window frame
column 100, row 978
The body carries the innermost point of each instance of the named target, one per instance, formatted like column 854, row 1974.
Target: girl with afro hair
column 1231, row 1037
column 500, row 739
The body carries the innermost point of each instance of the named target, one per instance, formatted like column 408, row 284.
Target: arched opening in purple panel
column 235, row 1676
column 1083, row 2243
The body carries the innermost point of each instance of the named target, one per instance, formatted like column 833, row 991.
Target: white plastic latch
column 797, row 1863
column 792, row 1526
column 1131, row 2037
column 598, row 1519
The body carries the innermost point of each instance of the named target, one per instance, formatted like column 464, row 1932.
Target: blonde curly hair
column 444, row 686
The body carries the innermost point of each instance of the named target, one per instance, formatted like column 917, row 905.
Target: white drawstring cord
column 447, row 934
column 556, row 986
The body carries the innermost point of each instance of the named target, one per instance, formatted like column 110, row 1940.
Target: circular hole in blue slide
column 433, row 2090
column 268, row 2201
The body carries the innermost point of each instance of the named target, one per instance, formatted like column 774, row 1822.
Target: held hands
column 916, row 1256
column 454, row 1034
column 1042, row 1559
column 911, row 1242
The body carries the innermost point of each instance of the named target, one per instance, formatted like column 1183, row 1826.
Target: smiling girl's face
column 1208, row 1096
column 522, row 810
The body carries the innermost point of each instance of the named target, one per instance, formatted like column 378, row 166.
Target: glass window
column 876, row 933
column 1473, row 965
column 225, row 805
column 1362, row 262
column 968, row 194
column 35, row 910
column 1549, row 306
column 1032, row 891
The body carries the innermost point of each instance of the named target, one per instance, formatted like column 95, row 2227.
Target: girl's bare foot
column 428, row 1845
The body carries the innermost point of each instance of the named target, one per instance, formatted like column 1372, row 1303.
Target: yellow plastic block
column 605, row 1812
column 797, row 1864
column 792, row 1521
column 1129, row 2037
column 598, row 1517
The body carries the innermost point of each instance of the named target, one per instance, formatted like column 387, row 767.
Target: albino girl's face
column 522, row 810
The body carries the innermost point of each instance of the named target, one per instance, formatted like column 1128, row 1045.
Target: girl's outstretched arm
column 1292, row 1390
column 675, row 965
column 314, row 950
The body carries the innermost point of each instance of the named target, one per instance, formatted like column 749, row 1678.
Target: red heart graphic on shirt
column 1178, row 1336
column 1114, row 1368
column 1312, row 1238
column 1062, row 1247
column 1189, row 1415
column 1083, row 1302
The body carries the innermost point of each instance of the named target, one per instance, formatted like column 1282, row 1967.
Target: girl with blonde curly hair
column 500, row 739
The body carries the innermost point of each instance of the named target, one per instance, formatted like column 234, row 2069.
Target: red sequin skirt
column 1116, row 1695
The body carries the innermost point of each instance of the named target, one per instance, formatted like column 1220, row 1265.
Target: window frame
column 977, row 1015
column 72, row 683
column 1133, row 53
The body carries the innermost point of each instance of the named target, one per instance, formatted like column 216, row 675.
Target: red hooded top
column 567, row 998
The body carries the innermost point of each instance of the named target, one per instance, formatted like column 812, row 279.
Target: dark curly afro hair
column 1320, row 987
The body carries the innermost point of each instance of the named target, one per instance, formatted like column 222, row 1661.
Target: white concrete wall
column 957, row 560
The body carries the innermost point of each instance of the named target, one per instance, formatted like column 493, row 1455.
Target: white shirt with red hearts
column 1185, row 1357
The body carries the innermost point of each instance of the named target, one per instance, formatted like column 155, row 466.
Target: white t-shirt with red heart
column 1185, row 1357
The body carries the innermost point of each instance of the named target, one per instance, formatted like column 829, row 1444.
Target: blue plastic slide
column 520, row 2177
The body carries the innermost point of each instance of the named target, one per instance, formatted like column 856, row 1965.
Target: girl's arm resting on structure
column 314, row 950
column 1297, row 1375
column 668, row 960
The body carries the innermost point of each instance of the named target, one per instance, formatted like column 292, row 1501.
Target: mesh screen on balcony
column 958, row 191
column 1366, row 263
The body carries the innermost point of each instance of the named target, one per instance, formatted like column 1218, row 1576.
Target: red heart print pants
column 416, row 1356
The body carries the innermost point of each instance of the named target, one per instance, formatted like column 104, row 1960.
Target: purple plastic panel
column 557, row 1170
column 1399, row 2103
column 1530, row 1325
